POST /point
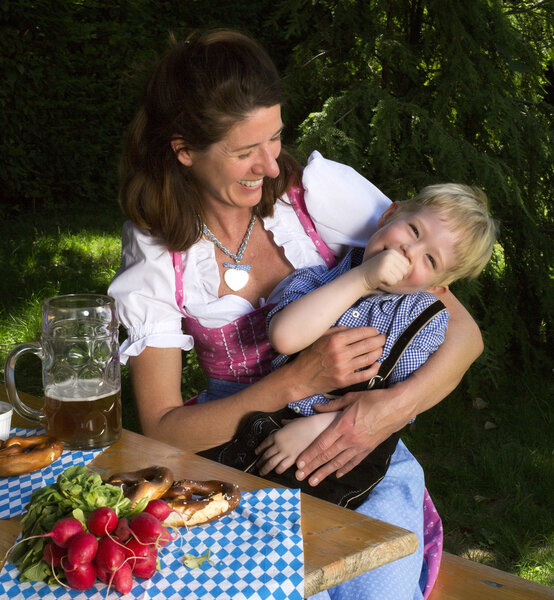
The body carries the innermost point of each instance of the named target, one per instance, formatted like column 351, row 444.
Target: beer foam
column 82, row 390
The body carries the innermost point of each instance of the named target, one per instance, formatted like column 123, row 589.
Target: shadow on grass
column 489, row 467
column 42, row 257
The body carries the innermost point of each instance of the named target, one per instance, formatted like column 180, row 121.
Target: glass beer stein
column 80, row 371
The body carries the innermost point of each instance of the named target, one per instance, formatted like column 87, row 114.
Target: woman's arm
column 331, row 362
column 370, row 417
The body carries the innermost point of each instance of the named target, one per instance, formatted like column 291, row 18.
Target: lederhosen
column 351, row 489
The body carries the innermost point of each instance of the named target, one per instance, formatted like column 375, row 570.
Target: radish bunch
column 109, row 549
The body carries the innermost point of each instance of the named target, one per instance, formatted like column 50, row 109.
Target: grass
column 492, row 480
column 489, row 463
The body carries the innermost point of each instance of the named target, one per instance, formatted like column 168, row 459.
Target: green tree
column 413, row 92
column 72, row 71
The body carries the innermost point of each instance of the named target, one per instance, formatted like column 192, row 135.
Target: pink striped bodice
column 240, row 351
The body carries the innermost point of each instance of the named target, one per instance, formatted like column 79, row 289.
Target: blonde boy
column 421, row 246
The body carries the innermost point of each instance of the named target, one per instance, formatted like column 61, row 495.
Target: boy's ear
column 181, row 151
column 384, row 218
column 438, row 290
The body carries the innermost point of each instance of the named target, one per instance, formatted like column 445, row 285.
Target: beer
column 79, row 350
column 84, row 414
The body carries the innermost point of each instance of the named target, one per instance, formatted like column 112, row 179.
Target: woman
column 212, row 244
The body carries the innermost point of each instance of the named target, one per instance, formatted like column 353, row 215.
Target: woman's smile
column 252, row 184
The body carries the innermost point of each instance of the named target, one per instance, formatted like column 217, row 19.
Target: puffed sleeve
column 343, row 205
column 144, row 290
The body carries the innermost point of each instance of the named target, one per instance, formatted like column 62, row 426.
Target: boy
column 443, row 234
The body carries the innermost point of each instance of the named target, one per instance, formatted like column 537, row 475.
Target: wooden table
column 338, row 543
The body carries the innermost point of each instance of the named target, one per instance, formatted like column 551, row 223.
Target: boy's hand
column 365, row 419
column 280, row 449
column 384, row 269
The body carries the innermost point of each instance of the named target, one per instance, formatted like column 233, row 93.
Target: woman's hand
column 334, row 361
column 365, row 420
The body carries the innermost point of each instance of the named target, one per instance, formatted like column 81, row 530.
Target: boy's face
column 424, row 238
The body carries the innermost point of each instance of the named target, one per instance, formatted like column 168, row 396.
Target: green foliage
column 72, row 73
column 66, row 96
column 414, row 93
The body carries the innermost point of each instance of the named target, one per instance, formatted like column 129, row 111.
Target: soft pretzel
column 20, row 455
column 195, row 502
column 152, row 483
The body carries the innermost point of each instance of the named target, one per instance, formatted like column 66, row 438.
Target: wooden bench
column 462, row 579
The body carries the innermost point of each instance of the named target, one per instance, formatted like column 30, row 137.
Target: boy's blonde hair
column 465, row 208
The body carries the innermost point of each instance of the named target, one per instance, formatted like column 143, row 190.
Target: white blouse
column 343, row 205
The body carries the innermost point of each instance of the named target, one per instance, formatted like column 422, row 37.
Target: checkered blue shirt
column 388, row 313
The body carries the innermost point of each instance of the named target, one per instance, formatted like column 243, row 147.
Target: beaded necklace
column 236, row 276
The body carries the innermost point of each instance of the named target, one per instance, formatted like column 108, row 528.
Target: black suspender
column 397, row 350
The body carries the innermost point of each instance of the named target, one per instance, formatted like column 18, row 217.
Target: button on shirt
column 390, row 314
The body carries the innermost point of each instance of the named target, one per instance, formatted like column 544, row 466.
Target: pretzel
column 195, row 502
column 152, row 483
column 20, row 455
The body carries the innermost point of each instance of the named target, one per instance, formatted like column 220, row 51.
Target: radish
column 61, row 533
column 80, row 577
column 64, row 530
column 102, row 520
column 135, row 550
column 102, row 573
column 160, row 509
column 165, row 537
column 81, row 548
column 53, row 554
column 122, row 530
column 123, row 579
column 146, row 566
column 146, row 528
column 110, row 554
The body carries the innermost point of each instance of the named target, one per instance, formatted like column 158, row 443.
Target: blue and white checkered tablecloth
column 256, row 554
column 16, row 491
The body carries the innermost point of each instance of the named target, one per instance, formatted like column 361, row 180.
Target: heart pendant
column 236, row 279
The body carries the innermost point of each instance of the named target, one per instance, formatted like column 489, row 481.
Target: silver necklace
column 236, row 276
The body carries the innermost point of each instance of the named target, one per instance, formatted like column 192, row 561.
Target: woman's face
column 232, row 170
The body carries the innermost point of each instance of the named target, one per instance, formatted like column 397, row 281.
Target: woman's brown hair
column 200, row 89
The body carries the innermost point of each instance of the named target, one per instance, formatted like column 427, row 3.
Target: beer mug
column 80, row 371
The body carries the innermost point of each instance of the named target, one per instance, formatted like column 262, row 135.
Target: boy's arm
column 280, row 449
column 305, row 320
column 368, row 418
